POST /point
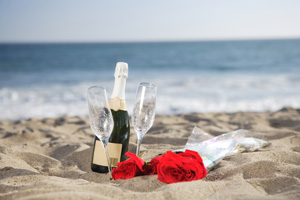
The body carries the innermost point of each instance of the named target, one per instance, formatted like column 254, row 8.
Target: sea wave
column 50, row 80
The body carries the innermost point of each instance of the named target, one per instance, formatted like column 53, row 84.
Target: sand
column 50, row 159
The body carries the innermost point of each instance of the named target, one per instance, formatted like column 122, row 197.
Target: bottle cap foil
column 121, row 70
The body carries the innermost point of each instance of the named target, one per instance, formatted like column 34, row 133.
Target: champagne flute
column 143, row 111
column 101, row 120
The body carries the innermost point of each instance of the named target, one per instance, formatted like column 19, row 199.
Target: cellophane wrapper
column 214, row 149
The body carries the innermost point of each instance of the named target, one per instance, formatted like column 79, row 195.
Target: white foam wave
column 176, row 94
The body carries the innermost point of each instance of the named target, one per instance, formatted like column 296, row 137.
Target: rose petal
column 139, row 162
column 180, row 167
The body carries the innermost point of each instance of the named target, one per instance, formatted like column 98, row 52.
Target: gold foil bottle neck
column 117, row 104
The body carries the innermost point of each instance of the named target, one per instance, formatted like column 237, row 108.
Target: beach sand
column 50, row 159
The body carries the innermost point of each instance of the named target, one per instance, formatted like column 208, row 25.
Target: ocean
column 51, row 80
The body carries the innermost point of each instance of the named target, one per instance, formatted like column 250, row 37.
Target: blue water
column 50, row 80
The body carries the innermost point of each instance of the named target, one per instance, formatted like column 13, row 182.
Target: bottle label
column 114, row 150
column 117, row 104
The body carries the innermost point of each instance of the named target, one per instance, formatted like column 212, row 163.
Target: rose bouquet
column 186, row 164
column 170, row 167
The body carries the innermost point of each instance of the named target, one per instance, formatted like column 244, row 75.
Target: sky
column 141, row 20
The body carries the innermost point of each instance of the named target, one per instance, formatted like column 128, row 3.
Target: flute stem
column 139, row 142
column 105, row 145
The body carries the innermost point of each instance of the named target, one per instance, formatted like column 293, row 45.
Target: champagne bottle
column 119, row 139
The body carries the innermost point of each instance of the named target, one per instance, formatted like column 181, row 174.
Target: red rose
column 181, row 167
column 151, row 167
column 128, row 168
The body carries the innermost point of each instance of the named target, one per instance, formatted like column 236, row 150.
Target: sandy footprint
column 277, row 185
column 42, row 163
column 259, row 169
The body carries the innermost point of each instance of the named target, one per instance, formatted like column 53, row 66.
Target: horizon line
column 148, row 41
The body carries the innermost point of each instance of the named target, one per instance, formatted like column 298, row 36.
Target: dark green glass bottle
column 119, row 139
